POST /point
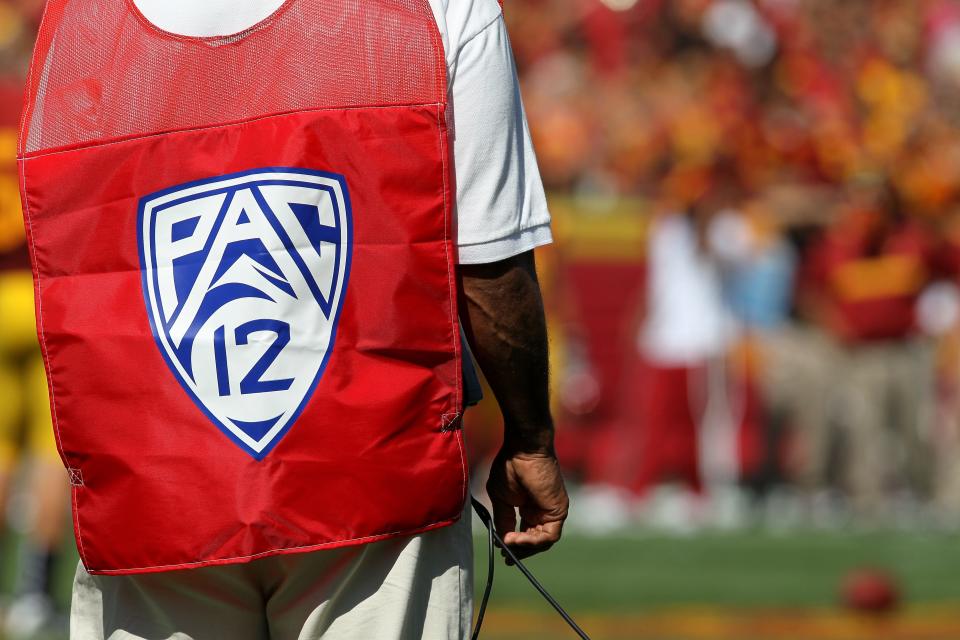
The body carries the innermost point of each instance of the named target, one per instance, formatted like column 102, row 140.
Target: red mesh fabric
column 309, row 54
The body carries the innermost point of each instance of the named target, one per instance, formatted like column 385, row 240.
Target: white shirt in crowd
column 687, row 321
column 501, row 207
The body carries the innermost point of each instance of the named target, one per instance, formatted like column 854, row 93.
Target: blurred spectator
column 866, row 277
column 758, row 274
column 686, row 330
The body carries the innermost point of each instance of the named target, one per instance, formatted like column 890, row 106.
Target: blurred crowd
column 755, row 293
column 631, row 96
column 754, row 299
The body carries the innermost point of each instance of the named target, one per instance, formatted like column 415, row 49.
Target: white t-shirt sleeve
column 501, row 207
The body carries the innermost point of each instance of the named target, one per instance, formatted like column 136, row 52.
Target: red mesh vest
column 245, row 279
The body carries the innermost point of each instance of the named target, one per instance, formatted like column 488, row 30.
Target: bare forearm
column 502, row 313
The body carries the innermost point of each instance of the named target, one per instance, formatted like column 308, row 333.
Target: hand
column 532, row 483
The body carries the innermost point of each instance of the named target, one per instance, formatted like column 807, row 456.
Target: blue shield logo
column 243, row 278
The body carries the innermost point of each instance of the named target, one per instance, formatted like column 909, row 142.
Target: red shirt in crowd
column 865, row 280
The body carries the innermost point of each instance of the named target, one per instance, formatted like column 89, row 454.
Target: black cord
column 492, row 535
column 490, row 566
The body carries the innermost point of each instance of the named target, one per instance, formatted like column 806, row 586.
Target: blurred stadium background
column 754, row 316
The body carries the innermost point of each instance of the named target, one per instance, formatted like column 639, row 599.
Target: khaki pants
column 408, row 588
column 799, row 380
column 946, row 462
column 886, row 393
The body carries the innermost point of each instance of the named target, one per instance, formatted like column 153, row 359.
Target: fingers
column 534, row 539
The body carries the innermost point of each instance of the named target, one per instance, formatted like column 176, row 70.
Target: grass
column 738, row 570
column 737, row 586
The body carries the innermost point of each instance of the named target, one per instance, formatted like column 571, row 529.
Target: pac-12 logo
column 243, row 278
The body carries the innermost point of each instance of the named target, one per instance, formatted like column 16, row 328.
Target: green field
column 736, row 586
column 730, row 570
column 743, row 586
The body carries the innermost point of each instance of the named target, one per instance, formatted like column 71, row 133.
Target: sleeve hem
column 503, row 248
